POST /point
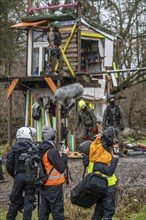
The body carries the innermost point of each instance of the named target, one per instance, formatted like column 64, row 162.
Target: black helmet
column 110, row 97
column 107, row 138
column 84, row 147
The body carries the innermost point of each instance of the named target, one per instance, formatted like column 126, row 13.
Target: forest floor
column 131, row 191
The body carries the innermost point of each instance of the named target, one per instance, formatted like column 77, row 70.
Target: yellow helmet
column 82, row 104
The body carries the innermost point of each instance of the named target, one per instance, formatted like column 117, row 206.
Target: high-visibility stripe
column 110, row 179
column 54, row 177
column 53, row 171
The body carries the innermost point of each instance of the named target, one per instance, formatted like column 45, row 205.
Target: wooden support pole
column 9, row 122
column 58, row 118
column 79, row 35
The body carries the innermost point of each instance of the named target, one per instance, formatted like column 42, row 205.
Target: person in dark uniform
column 114, row 116
column 52, row 192
column 101, row 158
column 15, row 165
column 87, row 122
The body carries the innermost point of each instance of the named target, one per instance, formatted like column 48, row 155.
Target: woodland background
column 127, row 19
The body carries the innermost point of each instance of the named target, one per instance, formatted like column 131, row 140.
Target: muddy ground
column 131, row 173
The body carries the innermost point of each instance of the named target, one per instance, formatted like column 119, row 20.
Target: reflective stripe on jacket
column 111, row 179
column 55, row 177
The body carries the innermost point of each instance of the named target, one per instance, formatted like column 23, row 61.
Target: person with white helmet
column 55, row 165
column 15, row 165
column 87, row 122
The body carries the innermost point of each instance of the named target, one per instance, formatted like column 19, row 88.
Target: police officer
column 55, row 165
column 55, row 40
column 114, row 116
column 15, row 165
column 101, row 158
column 87, row 121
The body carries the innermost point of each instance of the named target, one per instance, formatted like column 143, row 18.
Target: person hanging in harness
column 87, row 122
column 15, row 165
column 100, row 157
column 55, row 165
column 114, row 116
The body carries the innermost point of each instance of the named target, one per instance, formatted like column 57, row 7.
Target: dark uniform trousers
column 19, row 187
column 106, row 206
column 52, row 202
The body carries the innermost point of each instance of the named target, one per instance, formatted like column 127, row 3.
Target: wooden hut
column 87, row 50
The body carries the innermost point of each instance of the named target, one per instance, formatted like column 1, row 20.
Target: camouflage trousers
column 57, row 58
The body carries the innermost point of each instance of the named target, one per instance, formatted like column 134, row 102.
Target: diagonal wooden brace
column 12, row 87
column 51, row 84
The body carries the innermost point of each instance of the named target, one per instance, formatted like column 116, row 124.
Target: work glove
column 68, row 34
column 53, row 52
column 85, row 160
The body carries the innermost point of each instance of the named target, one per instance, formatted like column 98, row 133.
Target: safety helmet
column 48, row 133
column 82, row 104
column 56, row 24
column 107, row 137
column 26, row 132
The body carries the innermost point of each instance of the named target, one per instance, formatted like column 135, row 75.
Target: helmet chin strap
column 30, row 131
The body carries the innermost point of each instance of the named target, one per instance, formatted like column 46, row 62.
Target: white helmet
column 26, row 132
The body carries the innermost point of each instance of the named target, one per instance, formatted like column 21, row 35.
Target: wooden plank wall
column 71, row 52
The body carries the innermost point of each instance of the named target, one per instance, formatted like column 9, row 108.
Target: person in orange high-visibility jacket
column 55, row 165
column 100, row 157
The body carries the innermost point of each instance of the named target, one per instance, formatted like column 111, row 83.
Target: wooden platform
column 73, row 155
column 39, row 82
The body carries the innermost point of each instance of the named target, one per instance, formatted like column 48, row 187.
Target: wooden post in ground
column 79, row 35
column 9, row 122
column 58, row 118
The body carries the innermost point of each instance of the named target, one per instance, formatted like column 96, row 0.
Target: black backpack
column 34, row 169
column 91, row 189
column 36, row 114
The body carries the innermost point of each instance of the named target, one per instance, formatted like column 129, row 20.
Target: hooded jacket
column 52, row 157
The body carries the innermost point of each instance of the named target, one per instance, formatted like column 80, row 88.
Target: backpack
column 36, row 114
column 34, row 169
column 91, row 189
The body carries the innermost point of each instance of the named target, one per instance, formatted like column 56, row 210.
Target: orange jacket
column 55, row 177
column 98, row 153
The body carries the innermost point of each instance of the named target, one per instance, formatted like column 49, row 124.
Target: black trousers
column 105, row 208
column 16, row 198
column 51, row 202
